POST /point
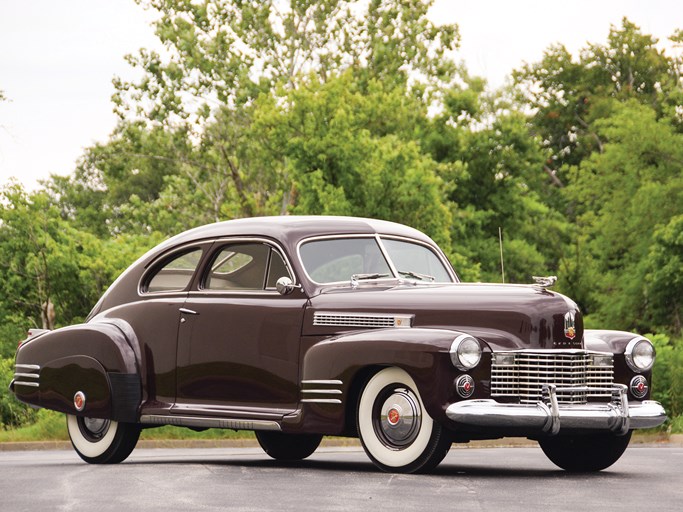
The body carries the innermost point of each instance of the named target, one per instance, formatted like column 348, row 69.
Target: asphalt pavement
column 647, row 477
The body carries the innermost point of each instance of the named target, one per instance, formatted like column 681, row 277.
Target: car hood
column 506, row 317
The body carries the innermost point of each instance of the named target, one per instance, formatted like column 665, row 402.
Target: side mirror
column 285, row 286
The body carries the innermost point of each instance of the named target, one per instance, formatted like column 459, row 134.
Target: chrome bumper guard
column 548, row 417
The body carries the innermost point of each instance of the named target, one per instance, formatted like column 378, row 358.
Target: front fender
column 607, row 341
column 95, row 359
column 423, row 353
column 616, row 342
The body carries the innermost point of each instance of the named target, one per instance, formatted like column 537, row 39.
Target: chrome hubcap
column 399, row 418
column 93, row 428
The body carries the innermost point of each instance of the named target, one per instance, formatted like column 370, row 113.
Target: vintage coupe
column 299, row 327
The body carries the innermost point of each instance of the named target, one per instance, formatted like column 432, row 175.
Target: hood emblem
column 570, row 325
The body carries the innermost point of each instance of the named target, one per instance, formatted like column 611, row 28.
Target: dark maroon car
column 299, row 327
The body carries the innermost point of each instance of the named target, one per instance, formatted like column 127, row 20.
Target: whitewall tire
column 101, row 441
column 396, row 431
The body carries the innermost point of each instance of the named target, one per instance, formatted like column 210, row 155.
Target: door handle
column 188, row 311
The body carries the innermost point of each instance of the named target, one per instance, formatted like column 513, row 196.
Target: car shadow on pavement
column 445, row 469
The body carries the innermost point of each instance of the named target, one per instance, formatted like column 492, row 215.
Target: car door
column 154, row 319
column 238, row 343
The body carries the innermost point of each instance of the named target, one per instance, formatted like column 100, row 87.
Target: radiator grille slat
column 526, row 372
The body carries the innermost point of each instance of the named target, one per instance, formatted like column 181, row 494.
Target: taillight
column 32, row 333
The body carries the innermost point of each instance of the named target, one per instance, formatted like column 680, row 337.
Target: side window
column 175, row 275
column 276, row 269
column 238, row 267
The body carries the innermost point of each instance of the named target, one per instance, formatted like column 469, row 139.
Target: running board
column 203, row 422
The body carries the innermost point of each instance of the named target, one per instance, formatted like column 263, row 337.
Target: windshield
column 416, row 261
column 361, row 258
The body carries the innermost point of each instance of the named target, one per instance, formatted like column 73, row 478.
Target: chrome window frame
column 219, row 244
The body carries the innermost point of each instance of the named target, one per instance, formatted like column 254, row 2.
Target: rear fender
column 95, row 359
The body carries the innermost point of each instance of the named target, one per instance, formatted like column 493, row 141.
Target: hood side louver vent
column 361, row 320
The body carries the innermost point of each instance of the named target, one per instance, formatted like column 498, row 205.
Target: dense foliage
column 359, row 108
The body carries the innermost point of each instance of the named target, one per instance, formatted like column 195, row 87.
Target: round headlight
column 640, row 354
column 465, row 352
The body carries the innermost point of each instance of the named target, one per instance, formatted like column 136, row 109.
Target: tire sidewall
column 87, row 449
column 376, row 449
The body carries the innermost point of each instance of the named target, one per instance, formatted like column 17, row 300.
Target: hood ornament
column 544, row 282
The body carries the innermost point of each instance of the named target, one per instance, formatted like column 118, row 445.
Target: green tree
column 51, row 273
column 623, row 197
column 349, row 151
column 568, row 95
column 229, row 62
column 664, row 278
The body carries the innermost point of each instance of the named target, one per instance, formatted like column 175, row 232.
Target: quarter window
column 176, row 274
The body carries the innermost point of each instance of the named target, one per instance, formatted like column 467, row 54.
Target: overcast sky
column 57, row 59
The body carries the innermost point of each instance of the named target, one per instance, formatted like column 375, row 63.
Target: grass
column 51, row 426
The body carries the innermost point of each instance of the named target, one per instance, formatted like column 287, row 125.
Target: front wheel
column 101, row 441
column 288, row 446
column 396, row 431
column 587, row 453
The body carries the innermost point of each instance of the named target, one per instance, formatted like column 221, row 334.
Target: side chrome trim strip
column 323, row 391
column 192, row 421
column 27, row 366
column 29, row 375
column 321, row 400
column 330, row 382
column 30, row 384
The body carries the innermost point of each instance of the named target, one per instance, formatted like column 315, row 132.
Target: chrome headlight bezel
column 640, row 354
column 465, row 352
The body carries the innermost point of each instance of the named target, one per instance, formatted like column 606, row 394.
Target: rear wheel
column 587, row 453
column 396, row 431
column 288, row 446
column 102, row 441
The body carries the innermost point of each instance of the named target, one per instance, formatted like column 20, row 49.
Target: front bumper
column 547, row 417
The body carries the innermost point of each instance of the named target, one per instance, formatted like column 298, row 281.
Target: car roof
column 290, row 229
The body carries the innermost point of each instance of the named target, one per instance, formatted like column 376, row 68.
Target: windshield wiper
column 362, row 277
column 416, row 275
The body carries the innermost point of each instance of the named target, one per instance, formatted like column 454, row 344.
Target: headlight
column 640, row 354
column 465, row 352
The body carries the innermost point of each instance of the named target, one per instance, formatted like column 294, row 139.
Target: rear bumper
column 548, row 418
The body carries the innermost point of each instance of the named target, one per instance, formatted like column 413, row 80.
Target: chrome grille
column 578, row 375
column 361, row 320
